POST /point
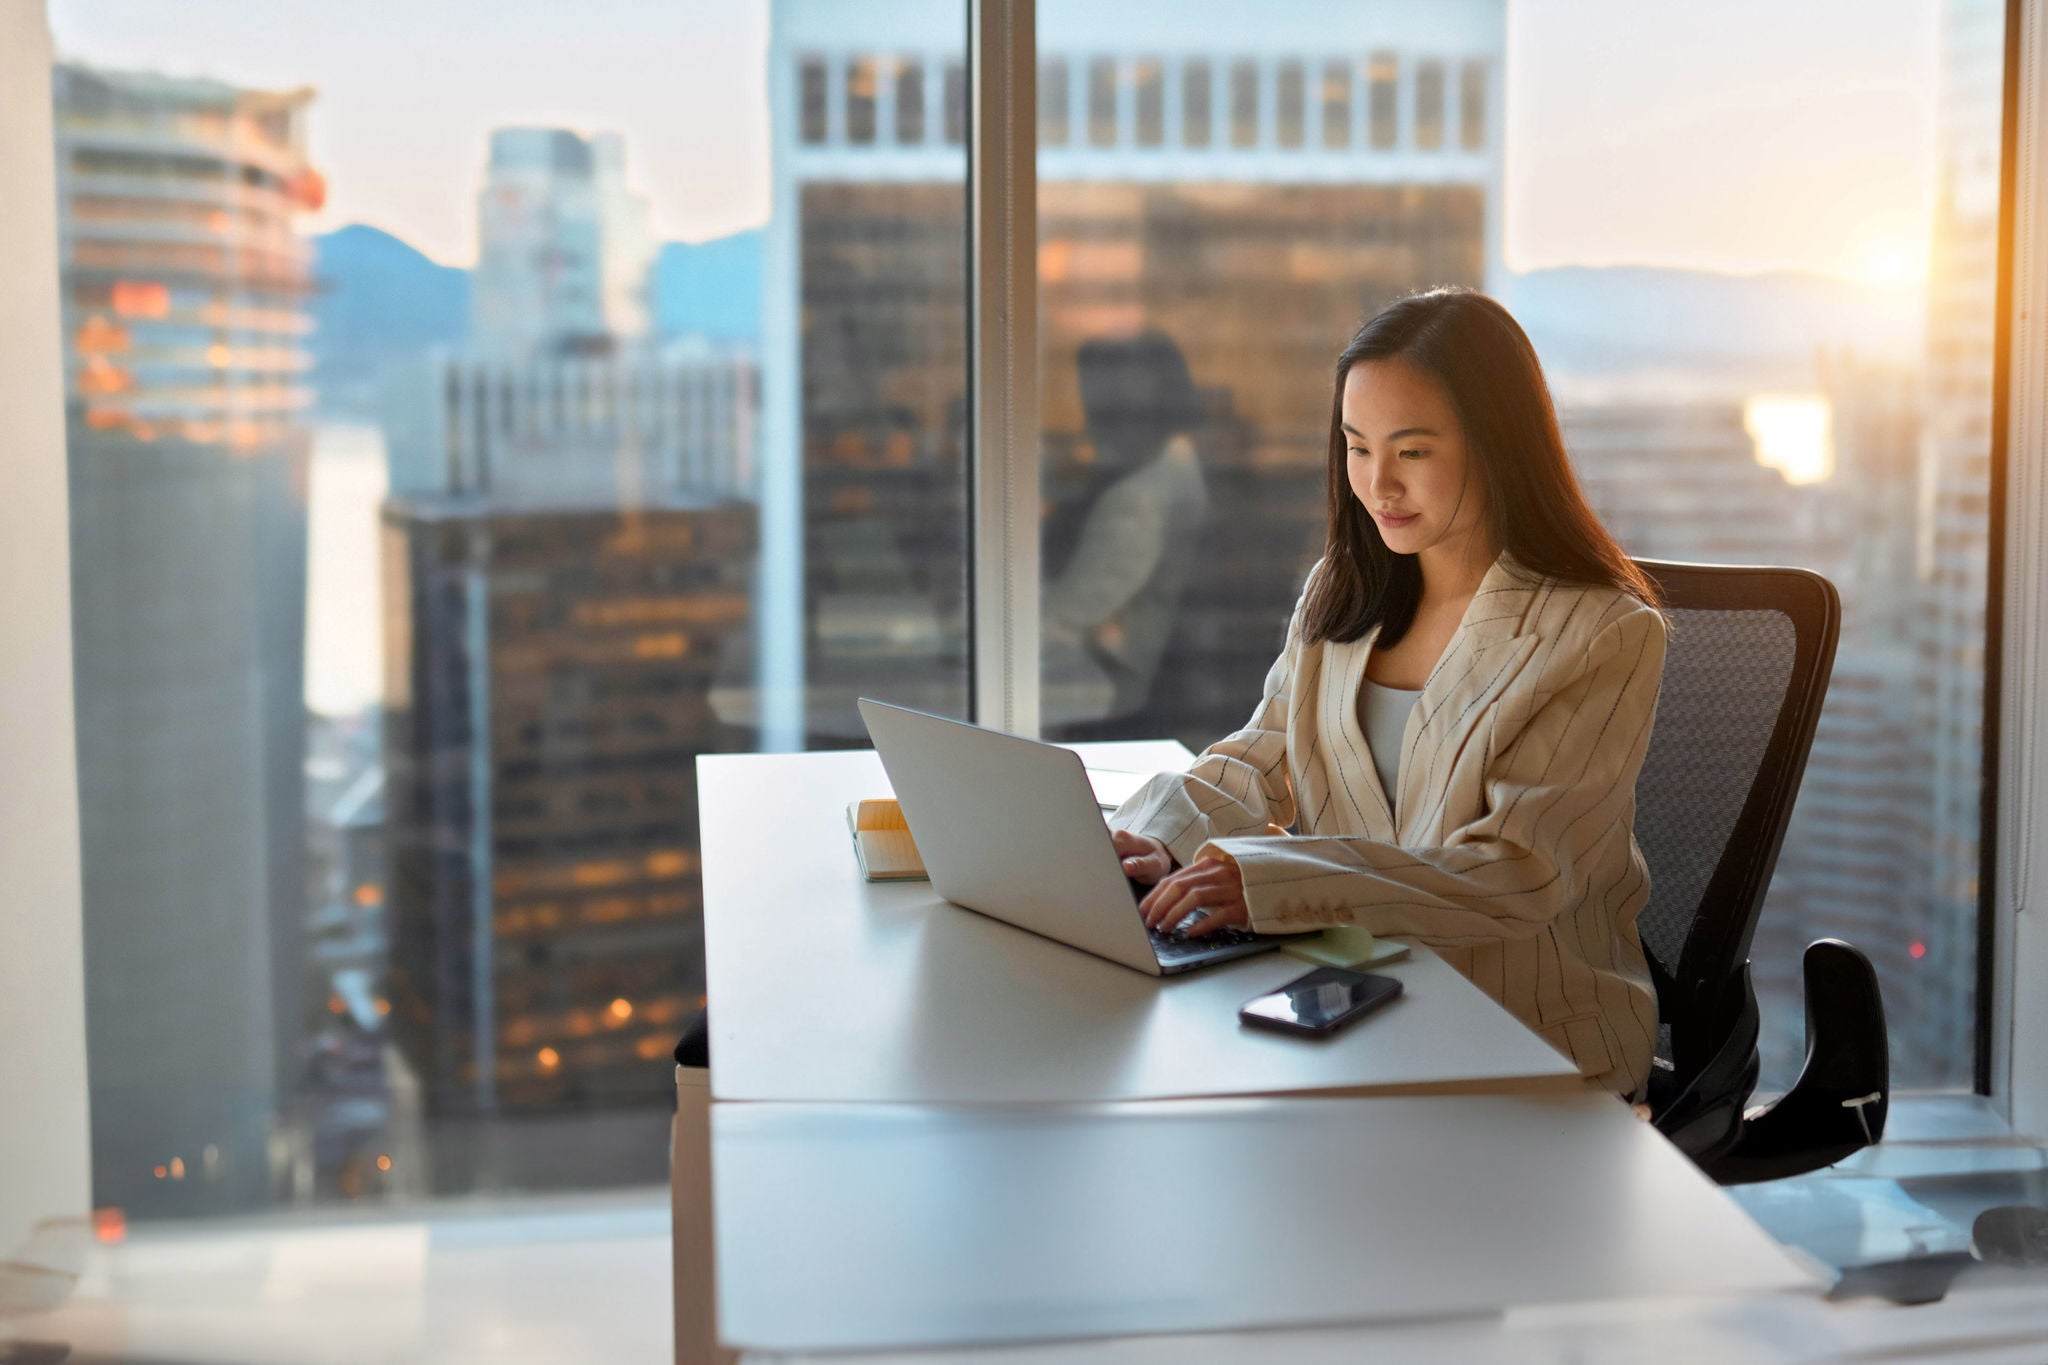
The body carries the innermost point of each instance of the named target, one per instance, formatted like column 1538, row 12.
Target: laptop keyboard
column 1178, row 942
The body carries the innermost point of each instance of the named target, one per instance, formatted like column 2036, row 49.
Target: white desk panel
column 824, row 986
column 875, row 1227
column 2003, row 1322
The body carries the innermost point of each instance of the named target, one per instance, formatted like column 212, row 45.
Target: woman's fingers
column 1222, row 895
column 1208, row 885
column 1141, row 856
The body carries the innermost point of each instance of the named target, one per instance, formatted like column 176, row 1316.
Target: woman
column 1453, row 729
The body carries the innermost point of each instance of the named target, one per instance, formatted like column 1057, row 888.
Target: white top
column 1383, row 711
column 826, row 987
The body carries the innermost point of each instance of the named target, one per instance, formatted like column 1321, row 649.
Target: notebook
column 882, row 842
column 1345, row 946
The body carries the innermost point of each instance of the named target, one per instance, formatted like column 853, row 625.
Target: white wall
column 44, row 1140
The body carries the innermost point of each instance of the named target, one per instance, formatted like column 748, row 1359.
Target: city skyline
column 1846, row 169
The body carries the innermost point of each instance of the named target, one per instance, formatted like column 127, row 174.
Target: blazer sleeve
column 1239, row 785
column 1552, row 796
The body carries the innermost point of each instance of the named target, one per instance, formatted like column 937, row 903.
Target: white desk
column 864, row 1227
column 827, row 987
column 851, row 1214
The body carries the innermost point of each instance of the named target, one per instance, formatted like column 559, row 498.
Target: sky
column 1746, row 135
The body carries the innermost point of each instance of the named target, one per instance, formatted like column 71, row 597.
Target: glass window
column 1835, row 417
column 1196, row 100
column 1149, row 80
column 910, row 101
column 1383, row 84
column 1429, row 105
column 1102, row 117
column 1472, row 106
column 436, row 578
column 1290, row 95
column 862, row 84
column 1053, row 102
column 1336, row 104
column 813, row 101
column 1244, row 103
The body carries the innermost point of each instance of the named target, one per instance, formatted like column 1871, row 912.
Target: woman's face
column 1407, row 462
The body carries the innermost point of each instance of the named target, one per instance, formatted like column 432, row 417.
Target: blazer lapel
column 1484, row 657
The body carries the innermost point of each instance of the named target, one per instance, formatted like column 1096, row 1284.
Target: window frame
column 1004, row 479
column 2012, row 997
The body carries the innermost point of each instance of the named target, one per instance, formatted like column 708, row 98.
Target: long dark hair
column 1534, row 507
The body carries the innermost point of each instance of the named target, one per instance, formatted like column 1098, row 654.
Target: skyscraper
column 1252, row 188
column 565, row 249
column 185, row 316
column 568, row 553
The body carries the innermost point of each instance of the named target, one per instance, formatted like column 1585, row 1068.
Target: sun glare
column 1894, row 261
column 1794, row 434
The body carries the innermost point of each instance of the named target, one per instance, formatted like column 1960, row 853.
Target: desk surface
column 868, row 1227
column 827, row 987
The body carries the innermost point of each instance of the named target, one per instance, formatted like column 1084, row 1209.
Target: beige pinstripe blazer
column 1509, row 848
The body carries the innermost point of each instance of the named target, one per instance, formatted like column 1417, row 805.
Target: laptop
column 1009, row 827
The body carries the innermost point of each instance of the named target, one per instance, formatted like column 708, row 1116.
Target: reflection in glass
column 1118, row 558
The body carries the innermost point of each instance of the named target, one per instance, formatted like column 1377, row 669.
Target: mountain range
column 378, row 301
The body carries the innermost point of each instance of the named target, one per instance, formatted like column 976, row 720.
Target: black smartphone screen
column 1320, row 1002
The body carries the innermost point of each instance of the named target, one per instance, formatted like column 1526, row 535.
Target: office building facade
column 551, row 678
column 1253, row 193
column 185, row 319
column 568, row 560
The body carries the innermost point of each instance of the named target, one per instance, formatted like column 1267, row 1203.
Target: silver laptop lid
column 1010, row 827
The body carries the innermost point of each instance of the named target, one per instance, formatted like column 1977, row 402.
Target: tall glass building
column 185, row 321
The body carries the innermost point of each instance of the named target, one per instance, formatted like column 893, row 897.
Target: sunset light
column 1794, row 434
column 1891, row 259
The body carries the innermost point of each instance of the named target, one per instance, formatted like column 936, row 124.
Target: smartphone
column 1317, row 1005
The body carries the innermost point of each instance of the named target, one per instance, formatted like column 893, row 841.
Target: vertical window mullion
column 1002, row 287
column 2013, row 949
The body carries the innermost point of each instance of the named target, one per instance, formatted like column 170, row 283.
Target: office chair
column 1747, row 669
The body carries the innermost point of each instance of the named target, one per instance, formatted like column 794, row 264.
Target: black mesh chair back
column 1745, row 674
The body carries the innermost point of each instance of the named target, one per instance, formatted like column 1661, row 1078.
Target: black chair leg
column 1838, row 1105
column 695, row 1047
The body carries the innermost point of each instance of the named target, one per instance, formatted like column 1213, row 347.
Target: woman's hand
column 1215, row 885
column 1144, row 858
